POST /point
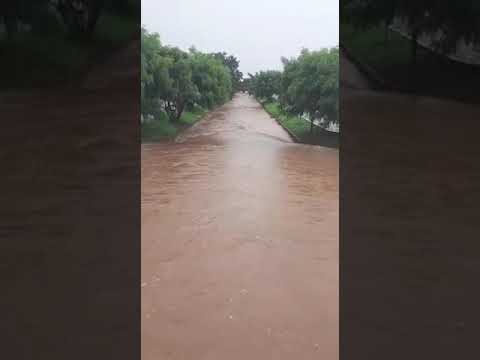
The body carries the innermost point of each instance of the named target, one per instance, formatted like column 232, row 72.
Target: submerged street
column 239, row 242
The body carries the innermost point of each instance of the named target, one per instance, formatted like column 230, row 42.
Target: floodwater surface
column 239, row 242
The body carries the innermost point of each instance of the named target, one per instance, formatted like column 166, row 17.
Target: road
column 239, row 242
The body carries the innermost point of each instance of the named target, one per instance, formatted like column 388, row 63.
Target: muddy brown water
column 239, row 242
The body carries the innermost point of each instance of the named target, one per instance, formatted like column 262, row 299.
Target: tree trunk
column 180, row 109
column 170, row 110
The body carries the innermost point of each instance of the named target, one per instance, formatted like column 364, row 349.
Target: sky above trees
column 257, row 32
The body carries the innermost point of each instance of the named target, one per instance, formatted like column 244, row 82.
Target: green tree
column 310, row 84
column 212, row 79
column 180, row 91
column 232, row 63
column 173, row 80
column 266, row 84
column 155, row 71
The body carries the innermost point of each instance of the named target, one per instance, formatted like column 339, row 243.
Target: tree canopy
column 232, row 63
column 309, row 84
column 173, row 80
column 266, row 84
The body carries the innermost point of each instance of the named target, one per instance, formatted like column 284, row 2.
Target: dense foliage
column 173, row 80
column 266, row 84
column 308, row 85
column 233, row 64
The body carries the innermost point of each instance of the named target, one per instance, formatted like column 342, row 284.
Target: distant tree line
column 77, row 17
column 308, row 84
column 173, row 80
column 453, row 20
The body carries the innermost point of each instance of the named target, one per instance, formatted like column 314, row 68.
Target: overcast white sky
column 257, row 32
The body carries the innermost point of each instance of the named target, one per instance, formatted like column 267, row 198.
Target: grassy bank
column 161, row 129
column 300, row 128
column 434, row 74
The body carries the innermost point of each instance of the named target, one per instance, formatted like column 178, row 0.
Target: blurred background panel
column 47, row 43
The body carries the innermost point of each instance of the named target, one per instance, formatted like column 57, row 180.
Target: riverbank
column 162, row 129
column 299, row 129
column 387, row 64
